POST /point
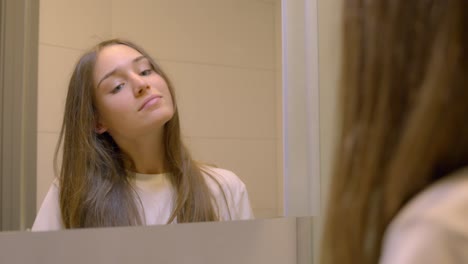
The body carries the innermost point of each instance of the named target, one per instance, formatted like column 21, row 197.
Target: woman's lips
column 150, row 101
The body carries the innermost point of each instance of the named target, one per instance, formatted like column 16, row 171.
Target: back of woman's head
column 403, row 104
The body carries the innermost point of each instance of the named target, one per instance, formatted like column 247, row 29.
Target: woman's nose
column 140, row 85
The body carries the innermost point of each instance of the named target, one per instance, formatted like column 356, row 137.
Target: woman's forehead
column 114, row 57
column 117, row 53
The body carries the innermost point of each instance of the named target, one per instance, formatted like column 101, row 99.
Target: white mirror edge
column 300, row 108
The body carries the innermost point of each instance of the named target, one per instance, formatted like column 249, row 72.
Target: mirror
column 223, row 58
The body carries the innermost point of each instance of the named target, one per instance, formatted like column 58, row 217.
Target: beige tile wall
column 330, row 29
column 279, row 105
column 222, row 56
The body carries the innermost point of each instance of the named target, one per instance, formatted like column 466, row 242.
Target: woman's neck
column 146, row 154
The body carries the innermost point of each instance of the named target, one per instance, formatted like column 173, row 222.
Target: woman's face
column 131, row 98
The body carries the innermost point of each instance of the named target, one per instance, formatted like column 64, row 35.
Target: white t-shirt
column 158, row 196
column 432, row 227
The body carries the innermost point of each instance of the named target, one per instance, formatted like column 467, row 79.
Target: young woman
column 399, row 191
column 123, row 161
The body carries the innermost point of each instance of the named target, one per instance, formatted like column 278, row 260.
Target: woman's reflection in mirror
column 123, row 162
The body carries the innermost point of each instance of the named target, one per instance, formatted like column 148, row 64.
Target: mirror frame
column 19, row 27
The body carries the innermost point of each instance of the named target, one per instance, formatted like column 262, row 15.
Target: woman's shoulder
column 224, row 178
column 229, row 192
column 444, row 203
column 431, row 225
column 49, row 216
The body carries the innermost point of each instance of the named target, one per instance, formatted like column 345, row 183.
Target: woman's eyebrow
column 107, row 75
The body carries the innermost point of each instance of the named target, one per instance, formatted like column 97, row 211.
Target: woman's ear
column 100, row 128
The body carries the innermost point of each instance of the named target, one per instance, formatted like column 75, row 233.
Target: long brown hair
column 404, row 106
column 95, row 187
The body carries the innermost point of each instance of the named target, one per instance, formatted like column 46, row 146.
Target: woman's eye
column 146, row 72
column 118, row 88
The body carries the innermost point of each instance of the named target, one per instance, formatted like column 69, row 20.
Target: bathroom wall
column 329, row 40
column 223, row 57
column 330, row 26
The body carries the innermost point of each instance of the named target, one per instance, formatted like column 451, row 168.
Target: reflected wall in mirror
column 223, row 57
